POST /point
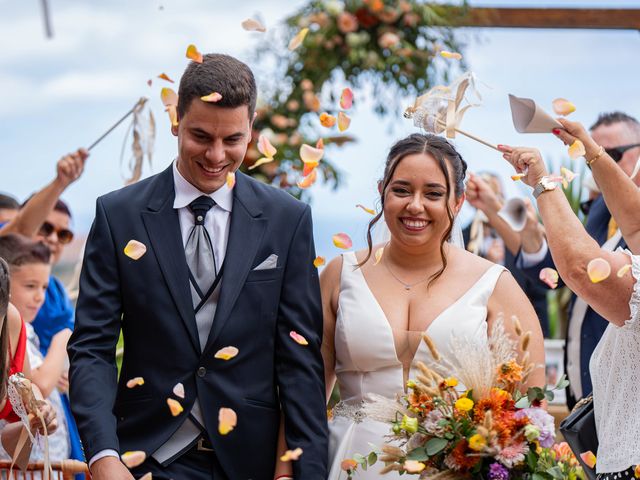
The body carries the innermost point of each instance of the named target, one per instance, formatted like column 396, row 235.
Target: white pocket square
column 270, row 262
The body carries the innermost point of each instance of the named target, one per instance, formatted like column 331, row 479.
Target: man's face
column 212, row 142
column 7, row 214
column 618, row 135
column 60, row 222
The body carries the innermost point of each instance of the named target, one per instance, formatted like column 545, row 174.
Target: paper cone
column 514, row 212
column 529, row 117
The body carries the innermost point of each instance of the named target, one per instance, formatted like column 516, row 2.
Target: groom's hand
column 110, row 468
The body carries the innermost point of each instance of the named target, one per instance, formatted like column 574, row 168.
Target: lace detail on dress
column 634, row 301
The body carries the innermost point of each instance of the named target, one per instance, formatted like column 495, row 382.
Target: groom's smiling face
column 212, row 142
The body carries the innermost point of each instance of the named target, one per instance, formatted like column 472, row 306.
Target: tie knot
column 200, row 206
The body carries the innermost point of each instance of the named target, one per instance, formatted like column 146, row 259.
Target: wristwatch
column 544, row 185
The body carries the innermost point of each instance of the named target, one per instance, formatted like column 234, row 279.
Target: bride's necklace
column 407, row 286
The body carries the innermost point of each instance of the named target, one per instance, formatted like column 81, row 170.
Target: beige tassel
column 431, row 346
column 524, row 345
column 517, row 325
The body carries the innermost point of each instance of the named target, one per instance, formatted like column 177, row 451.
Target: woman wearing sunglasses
column 616, row 360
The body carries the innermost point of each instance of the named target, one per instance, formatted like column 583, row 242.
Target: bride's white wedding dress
column 369, row 358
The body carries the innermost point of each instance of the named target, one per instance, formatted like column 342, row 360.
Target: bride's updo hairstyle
column 443, row 152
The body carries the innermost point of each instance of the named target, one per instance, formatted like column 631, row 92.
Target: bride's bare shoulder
column 463, row 260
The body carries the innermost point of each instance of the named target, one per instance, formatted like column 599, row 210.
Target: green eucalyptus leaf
column 435, row 445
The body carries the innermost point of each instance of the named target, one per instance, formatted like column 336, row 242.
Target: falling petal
column 194, row 54
column 311, row 101
column 261, row 161
column 290, row 455
column 550, row 277
column 342, row 240
column 135, row 249
column 164, row 76
column 452, row 55
column 308, row 168
column 623, row 271
column 413, row 466
column 252, row 25
column 348, row 464
column 588, row 458
column 227, row 353
column 227, row 420
column 378, row 255
column 368, row 210
column 133, row 459
column 309, row 154
column 346, row 99
column 135, row 382
column 563, row 106
column 598, row 270
column 149, row 82
column 320, row 144
column 175, row 407
column 298, row 39
column 265, row 147
column 309, row 180
column 168, row 96
column 576, row 149
column 343, row 121
column 178, row 390
column 231, row 180
column 318, row 262
column 327, row 120
column 172, row 110
column 298, row 338
column 213, row 97
column 517, row 177
column 636, row 471
column 567, row 174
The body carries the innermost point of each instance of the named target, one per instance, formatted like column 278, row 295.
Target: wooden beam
column 597, row 18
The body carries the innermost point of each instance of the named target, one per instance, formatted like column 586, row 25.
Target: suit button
column 202, row 372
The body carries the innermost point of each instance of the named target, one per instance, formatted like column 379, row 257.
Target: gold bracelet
column 598, row 155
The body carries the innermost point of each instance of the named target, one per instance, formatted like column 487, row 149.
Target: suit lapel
column 245, row 235
column 163, row 227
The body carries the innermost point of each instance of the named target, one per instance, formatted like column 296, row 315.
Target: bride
column 377, row 307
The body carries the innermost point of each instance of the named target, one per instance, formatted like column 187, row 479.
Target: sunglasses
column 617, row 152
column 64, row 234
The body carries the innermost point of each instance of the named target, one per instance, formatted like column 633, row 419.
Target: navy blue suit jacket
column 594, row 325
column 150, row 301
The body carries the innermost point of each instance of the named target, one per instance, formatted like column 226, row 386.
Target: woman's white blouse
column 615, row 374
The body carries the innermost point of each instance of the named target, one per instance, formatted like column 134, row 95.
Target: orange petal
column 623, row 271
column 252, row 25
column 413, row 466
column 598, row 270
column 378, row 255
column 178, row 390
column 227, row 420
column 577, row 149
column 567, row 174
column 588, row 458
column 327, row 120
column 452, row 55
column 194, row 54
column 227, row 353
column 291, row 455
column 320, row 144
column 164, row 76
column 636, row 471
column 213, row 97
column 517, row 177
column 133, row 459
column 175, row 407
column 549, row 276
column 135, row 382
column 168, row 96
column 348, row 464
column 318, row 262
column 368, row 210
column 563, row 106
column 135, row 249
column 172, row 110
column 265, row 147
column 298, row 338
column 231, row 180
column 310, row 154
column 261, row 161
column 298, row 39
column 308, row 168
column 343, row 121
column 311, row 101
column 342, row 240
column 346, row 99
column 309, row 180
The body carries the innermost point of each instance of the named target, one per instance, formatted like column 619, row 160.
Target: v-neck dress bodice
column 367, row 357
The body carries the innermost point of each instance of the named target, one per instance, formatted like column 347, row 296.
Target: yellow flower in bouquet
column 477, row 442
column 464, row 404
column 409, row 424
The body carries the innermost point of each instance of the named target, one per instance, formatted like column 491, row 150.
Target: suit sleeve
column 299, row 369
column 92, row 347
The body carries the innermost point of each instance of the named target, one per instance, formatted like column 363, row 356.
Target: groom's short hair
column 218, row 73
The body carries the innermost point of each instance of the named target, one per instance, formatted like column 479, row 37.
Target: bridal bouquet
column 465, row 416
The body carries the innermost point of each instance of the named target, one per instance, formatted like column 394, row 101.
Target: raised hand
column 527, row 161
column 480, row 195
column 71, row 166
column 573, row 131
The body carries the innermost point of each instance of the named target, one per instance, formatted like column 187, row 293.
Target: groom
column 223, row 268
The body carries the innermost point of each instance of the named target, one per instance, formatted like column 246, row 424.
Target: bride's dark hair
column 443, row 152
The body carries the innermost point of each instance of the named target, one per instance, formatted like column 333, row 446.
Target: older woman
column 615, row 362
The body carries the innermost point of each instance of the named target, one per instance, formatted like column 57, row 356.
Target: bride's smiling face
column 415, row 200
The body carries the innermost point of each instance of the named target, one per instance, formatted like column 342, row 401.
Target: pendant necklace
column 407, row 286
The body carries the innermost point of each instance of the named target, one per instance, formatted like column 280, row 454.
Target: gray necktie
column 199, row 252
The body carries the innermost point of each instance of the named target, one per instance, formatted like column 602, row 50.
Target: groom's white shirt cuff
column 102, row 454
column 530, row 259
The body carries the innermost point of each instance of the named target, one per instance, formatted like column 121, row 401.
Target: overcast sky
column 58, row 94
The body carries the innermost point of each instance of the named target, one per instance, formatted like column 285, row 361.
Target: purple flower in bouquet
column 498, row 472
column 543, row 421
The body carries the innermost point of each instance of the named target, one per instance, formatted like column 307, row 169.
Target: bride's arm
column 330, row 288
column 509, row 300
